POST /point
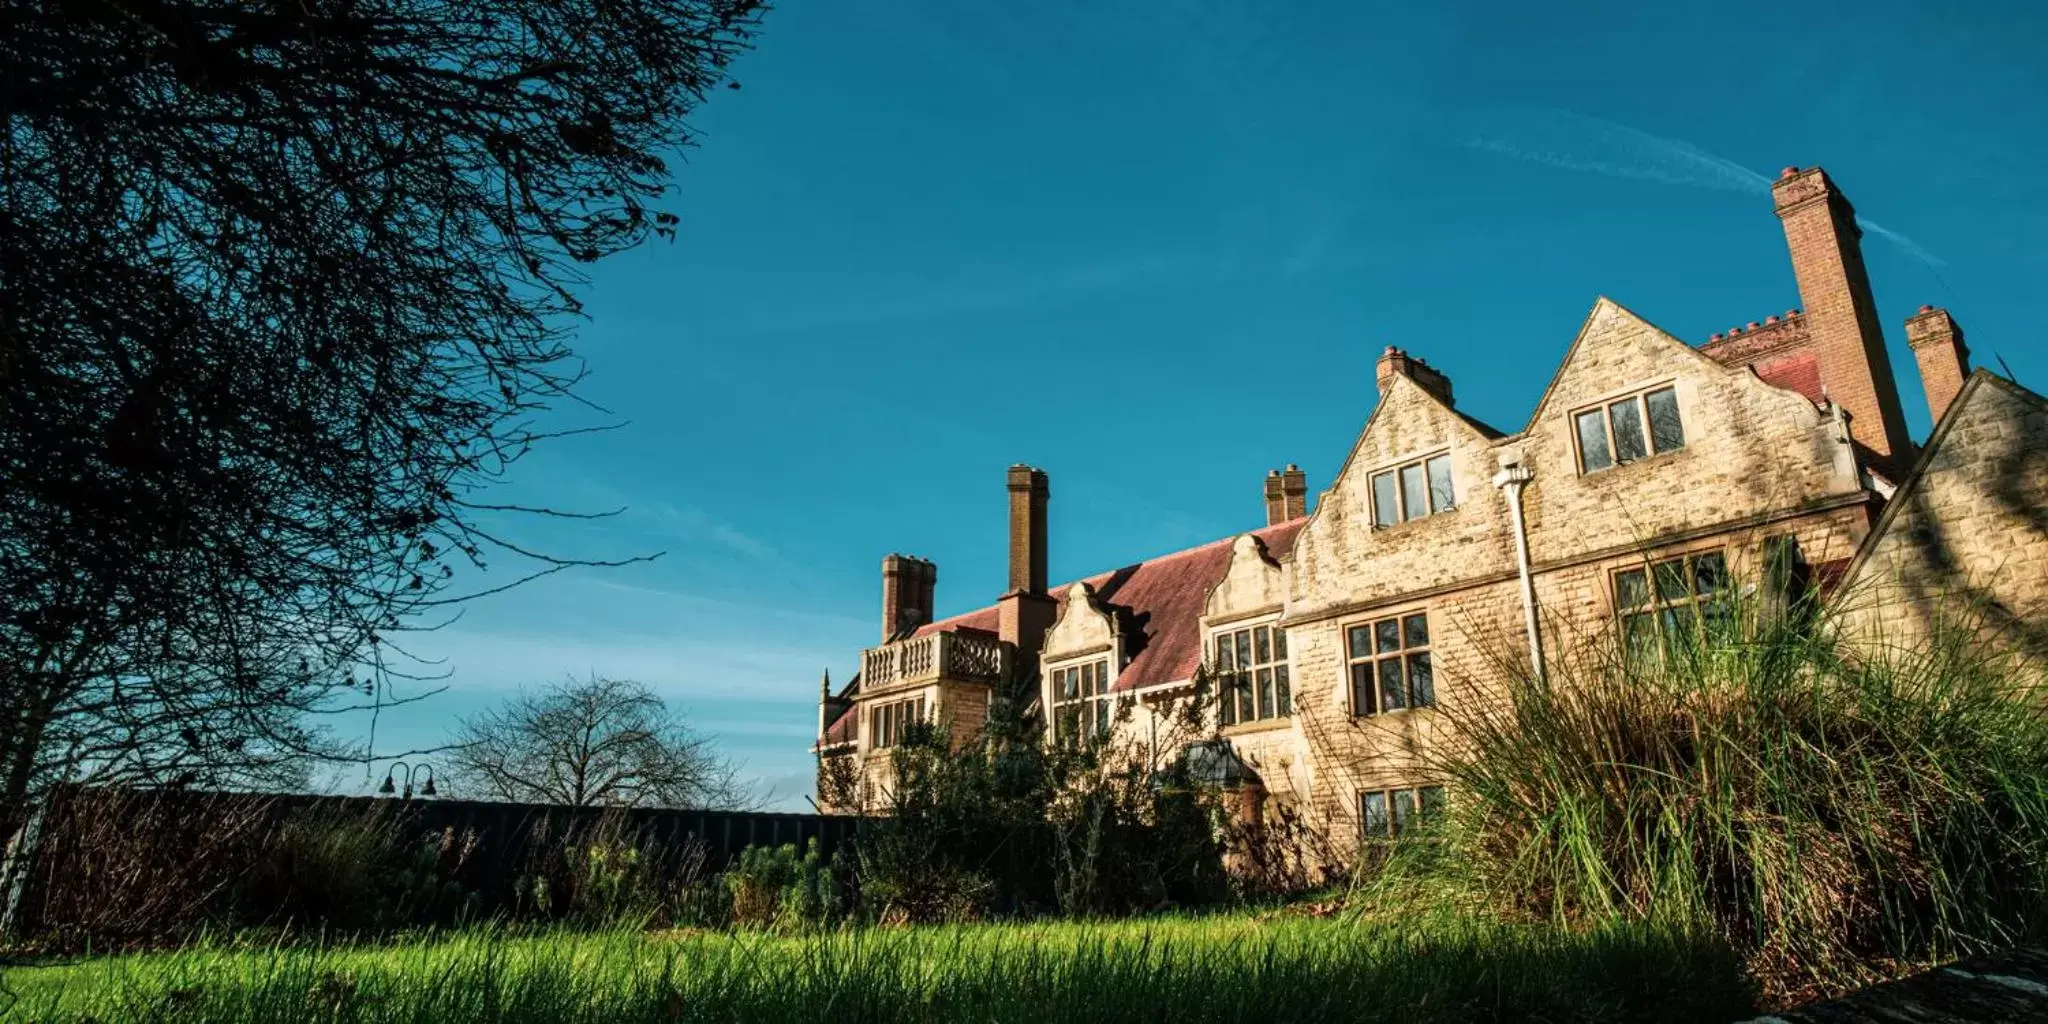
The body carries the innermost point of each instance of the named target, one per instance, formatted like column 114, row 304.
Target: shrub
column 1009, row 824
column 777, row 885
column 607, row 871
column 353, row 868
column 120, row 866
column 1824, row 808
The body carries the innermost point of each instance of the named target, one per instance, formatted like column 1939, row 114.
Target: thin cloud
column 694, row 525
column 763, row 670
column 756, row 613
column 1578, row 142
column 1905, row 244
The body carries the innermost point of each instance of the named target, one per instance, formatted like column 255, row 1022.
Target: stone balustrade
column 966, row 656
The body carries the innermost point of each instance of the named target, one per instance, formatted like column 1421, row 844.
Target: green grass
column 1222, row 968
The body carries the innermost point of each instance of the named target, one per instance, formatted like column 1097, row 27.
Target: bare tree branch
column 598, row 743
column 287, row 287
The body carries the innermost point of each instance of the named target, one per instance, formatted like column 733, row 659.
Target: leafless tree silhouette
column 283, row 289
column 598, row 743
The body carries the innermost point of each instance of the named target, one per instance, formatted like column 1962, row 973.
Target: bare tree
column 283, row 289
column 597, row 743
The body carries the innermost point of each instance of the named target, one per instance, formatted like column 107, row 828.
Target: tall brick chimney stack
column 1944, row 360
column 1294, row 488
column 1026, row 611
column 1396, row 363
column 1028, row 495
column 1276, row 498
column 1841, row 316
column 909, row 585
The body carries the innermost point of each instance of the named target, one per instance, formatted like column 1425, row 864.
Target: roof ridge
column 1062, row 588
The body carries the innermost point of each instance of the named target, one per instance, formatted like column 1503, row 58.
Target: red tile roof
column 1159, row 603
column 1797, row 371
column 842, row 730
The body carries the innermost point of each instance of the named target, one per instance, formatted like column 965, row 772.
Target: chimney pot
column 1926, row 308
column 1753, row 325
column 1773, row 318
column 1788, row 172
column 1713, row 338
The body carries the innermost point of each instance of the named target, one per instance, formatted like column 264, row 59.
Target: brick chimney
column 1286, row 494
column 1394, row 362
column 909, row 584
column 1028, row 495
column 1025, row 612
column 1841, row 316
column 1944, row 359
column 1294, row 490
column 1276, row 498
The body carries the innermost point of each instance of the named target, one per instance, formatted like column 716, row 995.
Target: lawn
column 1182, row 969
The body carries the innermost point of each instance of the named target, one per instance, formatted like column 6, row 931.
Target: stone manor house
column 1653, row 477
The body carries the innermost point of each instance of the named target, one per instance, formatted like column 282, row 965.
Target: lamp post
column 411, row 770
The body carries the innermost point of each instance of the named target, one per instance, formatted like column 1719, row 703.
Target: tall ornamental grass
column 1833, row 810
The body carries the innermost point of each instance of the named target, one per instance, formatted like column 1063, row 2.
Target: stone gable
column 1341, row 560
column 1967, row 533
column 1253, row 584
column 1751, row 449
column 1083, row 627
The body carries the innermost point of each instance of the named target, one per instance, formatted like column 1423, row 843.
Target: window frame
column 1402, row 654
column 1639, row 399
column 887, row 722
column 1094, row 708
column 1241, row 687
column 1396, row 474
column 1392, row 819
column 1697, row 605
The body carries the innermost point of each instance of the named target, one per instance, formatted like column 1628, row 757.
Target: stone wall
column 1965, row 541
column 1758, row 462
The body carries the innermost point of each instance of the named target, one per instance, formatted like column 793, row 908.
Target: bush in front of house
column 1008, row 825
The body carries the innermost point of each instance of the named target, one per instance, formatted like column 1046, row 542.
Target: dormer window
column 1081, row 711
column 1412, row 490
column 1627, row 429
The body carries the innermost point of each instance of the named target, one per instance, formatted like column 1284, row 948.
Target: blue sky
column 1156, row 253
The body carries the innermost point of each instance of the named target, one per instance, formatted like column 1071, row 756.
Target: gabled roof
column 1602, row 304
column 1159, row 604
column 1978, row 380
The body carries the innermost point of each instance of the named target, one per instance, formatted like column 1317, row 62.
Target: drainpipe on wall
column 1513, row 476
